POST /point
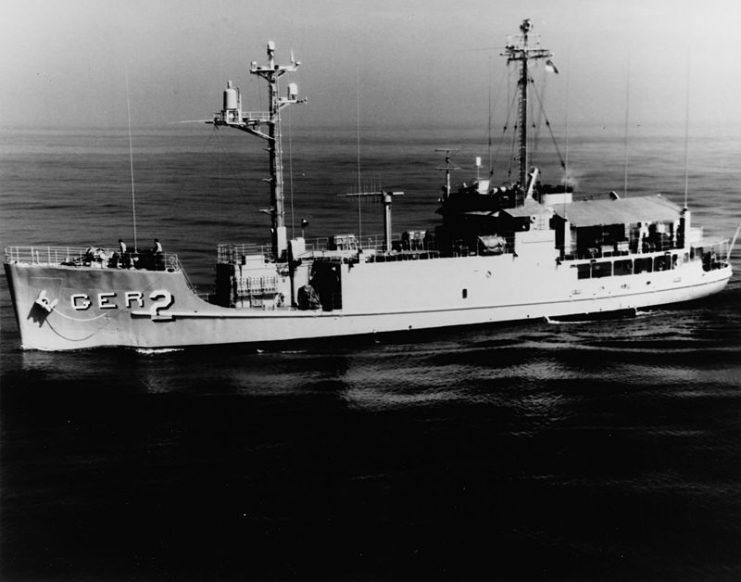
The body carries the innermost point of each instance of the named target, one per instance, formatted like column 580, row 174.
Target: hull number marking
column 161, row 300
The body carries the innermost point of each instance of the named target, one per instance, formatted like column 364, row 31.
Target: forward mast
column 253, row 121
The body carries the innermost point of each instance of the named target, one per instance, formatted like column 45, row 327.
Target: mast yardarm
column 251, row 121
column 520, row 51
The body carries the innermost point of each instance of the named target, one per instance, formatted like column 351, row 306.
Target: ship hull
column 66, row 308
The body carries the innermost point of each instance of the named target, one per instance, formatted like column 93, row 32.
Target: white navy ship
column 508, row 252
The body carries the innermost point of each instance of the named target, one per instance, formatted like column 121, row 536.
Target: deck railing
column 91, row 257
column 232, row 252
column 229, row 253
column 410, row 245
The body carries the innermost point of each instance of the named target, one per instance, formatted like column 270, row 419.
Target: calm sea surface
column 602, row 450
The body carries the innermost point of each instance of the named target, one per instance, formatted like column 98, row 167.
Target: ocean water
column 595, row 450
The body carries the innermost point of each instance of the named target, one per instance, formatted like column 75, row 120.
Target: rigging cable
column 566, row 137
column 550, row 129
column 566, row 131
column 536, row 119
column 493, row 107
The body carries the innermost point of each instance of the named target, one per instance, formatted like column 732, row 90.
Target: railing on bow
column 94, row 257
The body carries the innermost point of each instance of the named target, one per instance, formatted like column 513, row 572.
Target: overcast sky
column 408, row 62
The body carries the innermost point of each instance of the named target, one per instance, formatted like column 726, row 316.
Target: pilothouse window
column 662, row 263
column 603, row 269
column 623, row 267
column 643, row 265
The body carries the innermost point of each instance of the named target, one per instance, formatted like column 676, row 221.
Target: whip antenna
column 627, row 128
column 131, row 158
column 687, row 128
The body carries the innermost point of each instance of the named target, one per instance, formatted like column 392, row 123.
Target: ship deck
column 91, row 257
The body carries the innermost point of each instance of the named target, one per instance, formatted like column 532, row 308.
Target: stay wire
column 548, row 125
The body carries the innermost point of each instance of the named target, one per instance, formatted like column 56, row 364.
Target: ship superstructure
column 502, row 253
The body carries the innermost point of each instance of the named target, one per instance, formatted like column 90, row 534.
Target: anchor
column 43, row 302
column 41, row 308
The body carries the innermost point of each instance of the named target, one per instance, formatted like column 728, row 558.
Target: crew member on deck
column 159, row 261
column 123, row 256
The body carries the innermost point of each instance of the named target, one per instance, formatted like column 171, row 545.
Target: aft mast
column 520, row 51
column 448, row 167
column 250, row 121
